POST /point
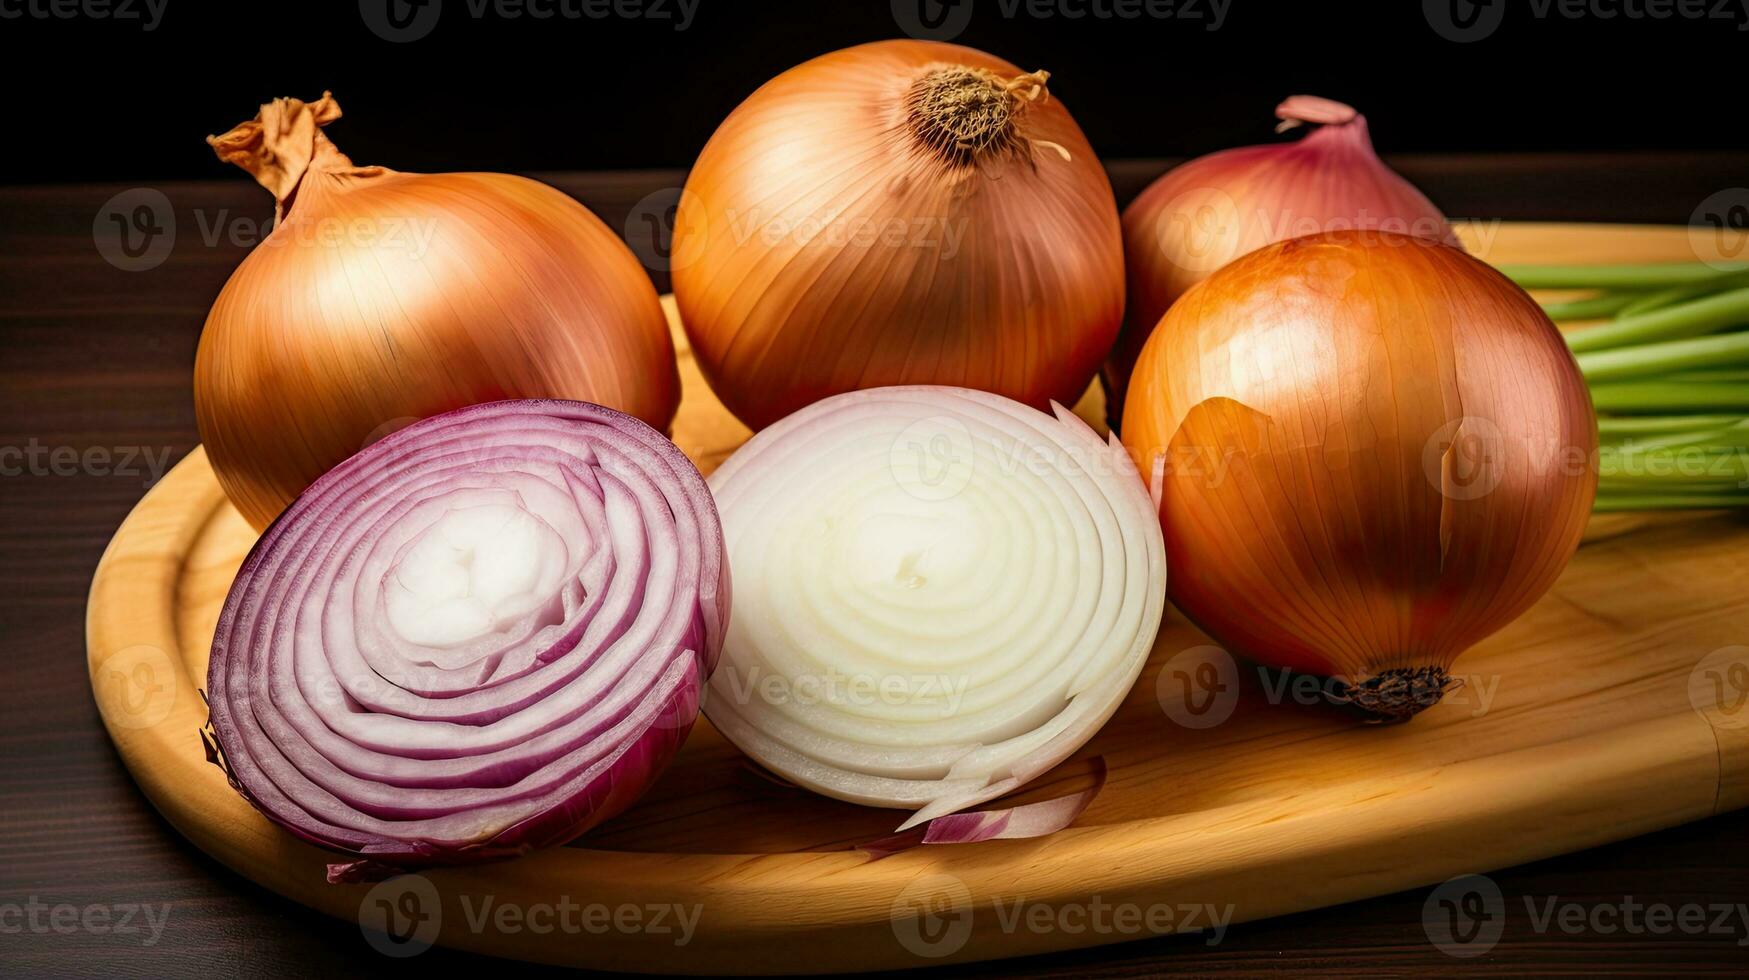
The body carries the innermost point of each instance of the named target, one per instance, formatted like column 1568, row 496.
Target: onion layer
column 1371, row 452
column 903, row 212
column 940, row 594
column 483, row 634
column 1205, row 213
column 384, row 297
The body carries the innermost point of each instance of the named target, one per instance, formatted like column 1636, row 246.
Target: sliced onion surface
column 940, row 594
column 481, row 635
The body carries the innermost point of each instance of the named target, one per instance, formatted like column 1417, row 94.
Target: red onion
column 479, row 636
column 1208, row 212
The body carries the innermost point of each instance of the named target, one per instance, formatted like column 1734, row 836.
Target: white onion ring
column 481, row 635
column 940, row 594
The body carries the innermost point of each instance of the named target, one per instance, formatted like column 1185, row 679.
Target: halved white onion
column 940, row 594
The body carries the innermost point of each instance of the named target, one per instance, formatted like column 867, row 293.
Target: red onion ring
column 480, row 636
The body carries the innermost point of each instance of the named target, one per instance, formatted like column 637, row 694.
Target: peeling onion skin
column 1203, row 214
column 1000, row 568
column 1373, row 451
column 483, row 739
column 821, row 246
column 383, row 297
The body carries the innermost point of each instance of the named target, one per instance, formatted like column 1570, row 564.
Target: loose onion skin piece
column 1203, row 214
column 903, row 212
column 940, row 594
column 482, row 635
column 1372, row 451
column 384, row 297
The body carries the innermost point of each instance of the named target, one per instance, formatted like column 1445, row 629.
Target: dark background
column 102, row 99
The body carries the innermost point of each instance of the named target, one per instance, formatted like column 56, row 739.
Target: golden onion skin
column 381, row 298
column 821, row 246
column 1375, row 451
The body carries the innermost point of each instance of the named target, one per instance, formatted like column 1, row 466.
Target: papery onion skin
column 1373, row 451
column 822, row 245
column 940, row 595
column 1203, row 214
column 384, row 297
column 519, row 734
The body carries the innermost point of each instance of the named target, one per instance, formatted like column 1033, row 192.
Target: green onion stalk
column 1668, row 367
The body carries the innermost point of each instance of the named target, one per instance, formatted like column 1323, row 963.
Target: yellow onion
column 904, row 212
column 1369, row 452
column 381, row 298
column 1203, row 214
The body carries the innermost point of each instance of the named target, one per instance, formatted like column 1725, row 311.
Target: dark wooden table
column 95, row 357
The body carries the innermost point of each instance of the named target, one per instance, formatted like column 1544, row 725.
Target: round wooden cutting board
column 1613, row 708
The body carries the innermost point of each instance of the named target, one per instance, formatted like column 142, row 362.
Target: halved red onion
column 940, row 594
column 482, row 635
